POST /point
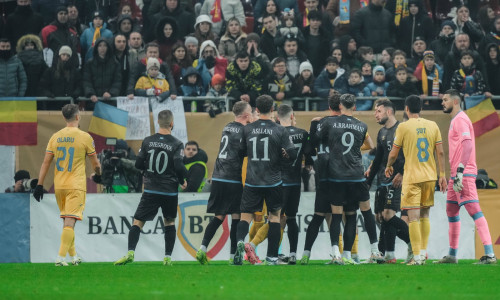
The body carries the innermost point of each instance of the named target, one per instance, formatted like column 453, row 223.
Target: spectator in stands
column 289, row 27
column 244, row 78
column 493, row 68
column 233, row 41
column 29, row 51
column 341, row 14
column 109, row 8
column 349, row 50
column 185, row 19
column 317, row 41
column 191, row 44
column 195, row 161
column 365, row 53
column 386, row 57
column 444, row 42
column 331, row 79
column 61, row 80
column 152, row 50
column 337, row 52
column 468, row 79
column 417, row 24
column 13, row 80
column 293, row 55
column 367, row 72
column 153, row 82
column 279, row 84
column 452, row 61
column 376, row 88
column 398, row 59
column 373, row 26
column 267, row 40
column 19, row 178
column 203, row 29
column 492, row 36
column 465, row 25
column 402, row 87
column 355, row 83
column 253, row 41
column 122, row 55
column 305, row 80
column 210, row 63
column 22, row 21
column 418, row 49
column 101, row 75
column 302, row 19
column 97, row 29
column 125, row 25
column 429, row 80
column 221, row 11
column 74, row 20
column 136, row 46
column 124, row 13
column 192, row 84
column 166, row 36
column 179, row 62
column 217, row 88
column 48, row 8
column 485, row 18
column 58, row 34
column 268, row 7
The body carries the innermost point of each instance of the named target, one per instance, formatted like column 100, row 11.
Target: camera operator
column 119, row 174
column 23, row 183
column 195, row 161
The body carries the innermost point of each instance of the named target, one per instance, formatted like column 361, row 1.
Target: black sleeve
column 288, row 146
column 313, row 137
column 179, row 167
column 376, row 162
column 399, row 165
column 140, row 162
column 194, row 178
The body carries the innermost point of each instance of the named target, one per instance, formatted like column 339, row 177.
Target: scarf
column 97, row 35
column 495, row 36
column 216, row 12
column 401, row 11
column 469, row 86
column 305, row 20
column 435, row 82
column 344, row 10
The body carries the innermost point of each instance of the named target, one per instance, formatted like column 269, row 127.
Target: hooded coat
column 493, row 69
column 56, row 35
column 189, row 89
column 88, row 36
column 414, row 25
column 185, row 21
column 229, row 47
column 165, row 43
column 55, row 83
column 452, row 63
column 206, row 69
column 230, row 8
column 33, row 62
column 442, row 46
column 102, row 75
column 22, row 21
column 248, row 82
column 13, row 80
column 348, row 59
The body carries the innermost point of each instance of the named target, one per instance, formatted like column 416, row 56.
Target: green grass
column 188, row 280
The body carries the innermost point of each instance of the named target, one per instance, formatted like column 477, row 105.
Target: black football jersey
column 291, row 170
column 229, row 160
column 263, row 141
column 322, row 150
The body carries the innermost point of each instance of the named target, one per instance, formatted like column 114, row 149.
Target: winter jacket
column 88, row 36
column 371, row 87
column 333, row 10
column 57, row 85
column 260, row 6
column 452, row 63
column 140, row 68
column 33, row 62
column 442, row 46
column 47, row 8
column 348, row 59
column 412, row 26
column 189, row 89
column 229, row 47
column 268, row 45
column 493, row 71
column 471, row 28
column 244, row 82
column 102, row 75
column 160, row 84
column 215, row 65
column 492, row 37
column 396, row 89
column 21, row 22
column 322, row 84
column 230, row 8
column 166, row 44
column 373, row 26
column 301, row 83
column 185, row 21
column 56, row 35
column 430, row 78
column 125, row 64
column 476, row 87
column 357, row 90
column 317, row 49
column 13, row 80
column 271, row 87
column 213, row 93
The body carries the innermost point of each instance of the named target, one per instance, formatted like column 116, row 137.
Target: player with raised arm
column 226, row 189
column 420, row 139
column 69, row 146
column 161, row 159
column 266, row 144
column 345, row 136
column 388, row 195
column 462, row 185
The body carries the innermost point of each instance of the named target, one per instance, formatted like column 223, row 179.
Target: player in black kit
column 226, row 189
column 161, row 159
column 345, row 136
column 266, row 144
column 388, row 195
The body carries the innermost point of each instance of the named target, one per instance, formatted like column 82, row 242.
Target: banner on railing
column 177, row 108
column 138, row 124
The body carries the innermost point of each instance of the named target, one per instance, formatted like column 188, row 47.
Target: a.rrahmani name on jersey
column 348, row 126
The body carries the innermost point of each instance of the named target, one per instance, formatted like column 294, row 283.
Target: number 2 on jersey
column 223, row 152
column 71, row 151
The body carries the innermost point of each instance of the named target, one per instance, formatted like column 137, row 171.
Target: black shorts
column 291, row 199
column 225, row 198
column 349, row 194
column 148, row 207
column 321, row 201
column 387, row 197
column 252, row 199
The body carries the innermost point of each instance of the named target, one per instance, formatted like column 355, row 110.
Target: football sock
column 483, row 230
column 281, row 235
column 232, row 235
column 390, row 237
column 312, row 231
column 381, row 238
column 355, row 245
column 72, row 250
column 401, row 228
column 261, row 234
column 341, row 243
column 210, row 231
column 273, row 239
column 293, row 233
column 67, row 236
column 346, row 254
column 133, row 237
column 170, row 239
column 415, row 236
column 452, row 211
column 425, row 230
column 255, row 228
column 306, row 253
column 335, row 229
column 371, row 228
column 242, row 231
column 349, row 232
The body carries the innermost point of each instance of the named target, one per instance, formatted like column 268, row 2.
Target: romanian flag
column 107, row 122
column 18, row 121
column 482, row 114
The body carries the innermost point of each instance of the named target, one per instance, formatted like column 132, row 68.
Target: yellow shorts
column 264, row 210
column 417, row 195
column 71, row 203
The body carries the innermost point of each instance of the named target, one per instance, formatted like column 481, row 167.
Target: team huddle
column 257, row 174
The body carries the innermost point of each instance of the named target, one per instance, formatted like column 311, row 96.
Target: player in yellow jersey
column 421, row 142
column 69, row 147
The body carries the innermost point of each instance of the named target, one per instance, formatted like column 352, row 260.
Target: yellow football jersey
column 70, row 146
column 418, row 138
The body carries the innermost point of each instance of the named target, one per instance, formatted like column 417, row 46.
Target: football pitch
column 218, row 280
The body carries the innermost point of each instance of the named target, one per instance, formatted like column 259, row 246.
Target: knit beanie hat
column 191, row 40
column 21, row 174
column 449, row 23
column 428, row 53
column 152, row 62
column 378, row 69
column 253, row 37
column 217, row 79
column 65, row 50
column 305, row 66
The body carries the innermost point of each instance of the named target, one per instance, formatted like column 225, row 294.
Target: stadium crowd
column 166, row 48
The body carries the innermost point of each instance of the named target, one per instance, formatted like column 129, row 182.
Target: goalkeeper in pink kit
column 462, row 185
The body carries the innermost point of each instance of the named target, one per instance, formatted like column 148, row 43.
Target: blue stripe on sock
column 488, row 249
column 452, row 202
column 468, row 201
column 454, row 219
column 453, row 252
column 478, row 215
